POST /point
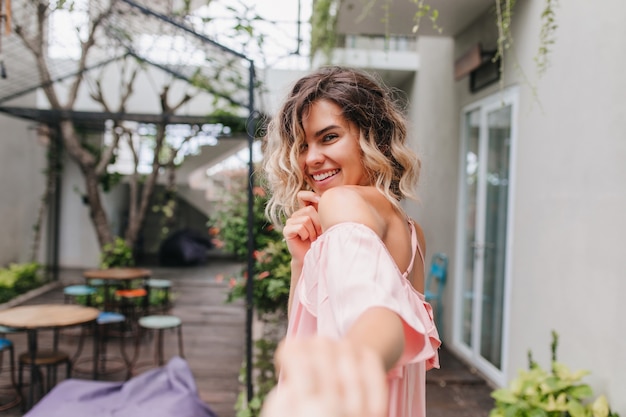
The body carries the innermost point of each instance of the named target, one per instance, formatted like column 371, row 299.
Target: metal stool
column 161, row 323
column 160, row 288
column 71, row 292
column 48, row 359
column 131, row 300
column 104, row 321
column 6, row 344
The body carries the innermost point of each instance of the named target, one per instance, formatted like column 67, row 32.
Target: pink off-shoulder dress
column 347, row 270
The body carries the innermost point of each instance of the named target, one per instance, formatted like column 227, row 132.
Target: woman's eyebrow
column 326, row 129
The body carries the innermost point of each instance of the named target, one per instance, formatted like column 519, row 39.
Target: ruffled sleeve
column 348, row 270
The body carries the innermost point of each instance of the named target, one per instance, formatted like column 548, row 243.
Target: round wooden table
column 116, row 274
column 32, row 318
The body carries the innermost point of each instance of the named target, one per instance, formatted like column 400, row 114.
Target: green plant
column 272, row 271
column 265, row 378
column 17, row 279
column 272, row 276
column 554, row 393
column 116, row 254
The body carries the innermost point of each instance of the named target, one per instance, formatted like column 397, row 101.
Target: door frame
column 508, row 96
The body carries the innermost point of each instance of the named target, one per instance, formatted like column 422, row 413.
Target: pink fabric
column 348, row 270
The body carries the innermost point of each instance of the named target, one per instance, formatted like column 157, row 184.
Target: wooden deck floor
column 214, row 342
column 213, row 333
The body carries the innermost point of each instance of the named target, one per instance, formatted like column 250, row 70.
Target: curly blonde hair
column 392, row 166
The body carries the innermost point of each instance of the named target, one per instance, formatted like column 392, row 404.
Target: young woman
column 360, row 335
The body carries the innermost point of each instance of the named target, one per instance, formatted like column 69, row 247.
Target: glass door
column 484, row 232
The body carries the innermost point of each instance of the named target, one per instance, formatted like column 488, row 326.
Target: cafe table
column 32, row 318
column 119, row 275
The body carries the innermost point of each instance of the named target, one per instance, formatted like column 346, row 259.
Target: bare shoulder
column 350, row 204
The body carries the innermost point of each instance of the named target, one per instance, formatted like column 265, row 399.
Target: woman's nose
column 314, row 156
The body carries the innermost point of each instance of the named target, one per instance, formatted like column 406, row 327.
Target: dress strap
column 415, row 248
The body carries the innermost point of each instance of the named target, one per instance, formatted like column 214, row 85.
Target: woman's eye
column 304, row 147
column 329, row 137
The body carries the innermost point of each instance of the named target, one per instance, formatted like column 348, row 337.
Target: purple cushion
column 169, row 391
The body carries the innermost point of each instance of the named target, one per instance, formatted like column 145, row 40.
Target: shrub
column 17, row 279
column 272, row 271
column 555, row 393
column 116, row 254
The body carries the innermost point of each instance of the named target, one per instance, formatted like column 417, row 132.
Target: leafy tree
column 105, row 28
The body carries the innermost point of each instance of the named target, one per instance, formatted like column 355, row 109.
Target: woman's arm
column 378, row 329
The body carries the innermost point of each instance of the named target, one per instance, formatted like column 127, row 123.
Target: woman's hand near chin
column 303, row 227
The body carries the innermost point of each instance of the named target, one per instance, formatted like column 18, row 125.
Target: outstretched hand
column 324, row 377
column 303, row 227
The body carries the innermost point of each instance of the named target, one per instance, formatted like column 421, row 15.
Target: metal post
column 250, row 281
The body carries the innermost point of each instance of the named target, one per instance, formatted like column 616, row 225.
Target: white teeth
column 325, row 175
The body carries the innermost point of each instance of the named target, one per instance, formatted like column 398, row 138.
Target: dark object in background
column 186, row 247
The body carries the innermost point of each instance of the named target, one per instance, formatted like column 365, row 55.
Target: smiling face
column 330, row 155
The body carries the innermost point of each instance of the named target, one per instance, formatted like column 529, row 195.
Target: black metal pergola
column 132, row 20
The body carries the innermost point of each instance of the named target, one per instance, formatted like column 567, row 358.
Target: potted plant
column 557, row 392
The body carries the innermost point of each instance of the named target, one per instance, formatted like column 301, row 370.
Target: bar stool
column 72, row 292
column 132, row 303
column 159, row 288
column 7, row 345
column 50, row 359
column 160, row 323
column 105, row 320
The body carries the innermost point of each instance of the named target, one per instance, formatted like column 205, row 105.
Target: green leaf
column 600, row 407
column 504, row 395
column 576, row 409
column 580, row 392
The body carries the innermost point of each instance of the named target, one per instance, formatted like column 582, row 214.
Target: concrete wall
column 434, row 137
column 22, row 166
column 570, row 199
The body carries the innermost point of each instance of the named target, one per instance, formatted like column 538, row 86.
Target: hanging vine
column 324, row 19
column 547, row 36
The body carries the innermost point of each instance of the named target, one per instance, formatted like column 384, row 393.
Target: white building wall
column 22, row 184
column 78, row 244
column 434, row 136
column 569, row 227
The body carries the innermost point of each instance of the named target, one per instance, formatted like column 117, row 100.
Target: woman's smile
column 325, row 175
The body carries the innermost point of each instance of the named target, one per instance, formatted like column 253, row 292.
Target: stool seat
column 108, row 317
column 159, row 322
column 132, row 293
column 5, row 343
column 44, row 358
column 78, row 290
column 7, row 330
column 159, row 283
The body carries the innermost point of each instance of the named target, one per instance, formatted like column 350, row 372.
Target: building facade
column 523, row 182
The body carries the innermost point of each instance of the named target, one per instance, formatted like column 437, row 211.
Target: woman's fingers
column 307, row 198
column 336, row 376
column 304, row 224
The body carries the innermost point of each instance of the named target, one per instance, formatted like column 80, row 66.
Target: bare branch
column 105, row 157
column 85, row 47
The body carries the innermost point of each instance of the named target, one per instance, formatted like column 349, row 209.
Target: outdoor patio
column 214, row 343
